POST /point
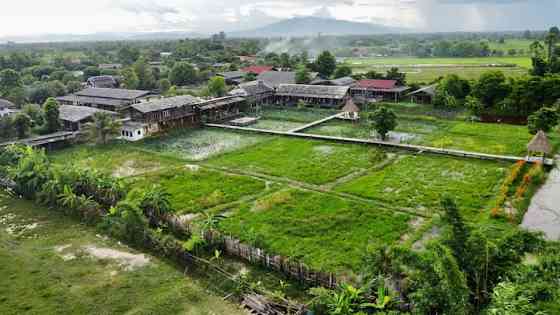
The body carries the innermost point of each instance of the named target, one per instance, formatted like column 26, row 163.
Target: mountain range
column 310, row 26
column 294, row 27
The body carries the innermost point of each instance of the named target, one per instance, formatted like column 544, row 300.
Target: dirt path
column 544, row 212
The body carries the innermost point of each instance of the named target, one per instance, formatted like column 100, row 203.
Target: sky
column 35, row 17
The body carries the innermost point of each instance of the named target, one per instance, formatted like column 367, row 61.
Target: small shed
column 351, row 111
column 7, row 108
column 424, row 95
column 74, row 117
column 134, row 131
column 539, row 145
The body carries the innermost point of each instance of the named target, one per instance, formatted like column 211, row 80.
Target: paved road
column 544, row 211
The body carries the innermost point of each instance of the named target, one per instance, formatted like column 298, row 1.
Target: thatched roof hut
column 350, row 107
column 539, row 144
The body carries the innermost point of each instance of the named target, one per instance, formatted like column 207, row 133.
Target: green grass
column 120, row 159
column 278, row 125
column 200, row 144
column 197, row 189
column 37, row 280
column 411, row 61
column 429, row 69
column 418, row 182
column 314, row 162
column 325, row 232
column 292, row 114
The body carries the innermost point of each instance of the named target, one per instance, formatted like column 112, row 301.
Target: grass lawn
column 419, row 182
column 295, row 115
column 119, row 159
column 325, row 232
column 47, row 268
column 193, row 190
column 278, row 125
column 429, row 69
column 200, row 144
column 453, row 133
column 314, row 162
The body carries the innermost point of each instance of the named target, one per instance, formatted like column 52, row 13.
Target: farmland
column 428, row 69
column 306, row 199
column 52, row 264
column 417, row 125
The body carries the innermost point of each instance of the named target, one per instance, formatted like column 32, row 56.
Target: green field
column 429, row 69
column 50, row 264
column 313, row 162
column 325, row 232
column 416, row 127
column 193, row 189
column 419, row 182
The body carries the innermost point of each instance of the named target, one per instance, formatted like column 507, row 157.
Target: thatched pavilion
column 351, row 111
column 539, row 145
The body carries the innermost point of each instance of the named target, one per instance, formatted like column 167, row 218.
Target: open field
column 419, row 182
column 313, row 162
column 429, row 69
column 415, row 127
column 330, row 200
column 194, row 189
column 52, row 265
column 325, row 232
column 200, row 144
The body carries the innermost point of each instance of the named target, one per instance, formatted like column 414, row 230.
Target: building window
column 139, row 132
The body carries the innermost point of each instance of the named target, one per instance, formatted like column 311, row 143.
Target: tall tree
column 130, row 79
column 217, row 86
column 544, row 119
column 326, row 64
column 491, row 88
column 383, row 121
column 9, row 79
column 183, row 73
column 22, row 124
column 146, row 80
column 342, row 71
column 303, row 76
column 52, row 115
column 103, row 126
column 551, row 39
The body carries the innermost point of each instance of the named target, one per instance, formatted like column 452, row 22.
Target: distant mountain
column 309, row 26
column 101, row 37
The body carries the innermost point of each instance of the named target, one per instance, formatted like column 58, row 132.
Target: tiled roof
column 113, row 93
column 167, row 103
column 5, row 104
column 318, row 91
column 275, row 78
column 257, row 69
column 78, row 113
column 377, row 84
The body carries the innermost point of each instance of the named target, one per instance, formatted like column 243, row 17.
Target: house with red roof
column 378, row 90
column 257, row 69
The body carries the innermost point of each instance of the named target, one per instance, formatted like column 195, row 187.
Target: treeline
column 471, row 270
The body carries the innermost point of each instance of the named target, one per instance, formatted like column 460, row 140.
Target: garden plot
column 418, row 182
column 323, row 231
column 195, row 189
column 200, row 144
column 309, row 161
column 121, row 160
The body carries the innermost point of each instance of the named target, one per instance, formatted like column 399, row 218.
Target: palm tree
column 102, row 127
column 155, row 204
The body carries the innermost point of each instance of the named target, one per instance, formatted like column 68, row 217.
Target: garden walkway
column 408, row 147
column 544, row 212
column 44, row 140
column 315, row 123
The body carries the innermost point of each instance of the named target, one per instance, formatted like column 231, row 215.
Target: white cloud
column 32, row 17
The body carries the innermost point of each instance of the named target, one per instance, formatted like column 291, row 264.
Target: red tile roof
column 257, row 69
column 377, row 84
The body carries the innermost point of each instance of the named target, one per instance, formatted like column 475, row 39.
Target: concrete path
column 316, row 123
column 544, row 212
column 409, row 147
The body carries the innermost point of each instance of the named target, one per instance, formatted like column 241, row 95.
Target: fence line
column 235, row 248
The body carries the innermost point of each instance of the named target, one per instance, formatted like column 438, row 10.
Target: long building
column 116, row 100
column 320, row 95
column 378, row 90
